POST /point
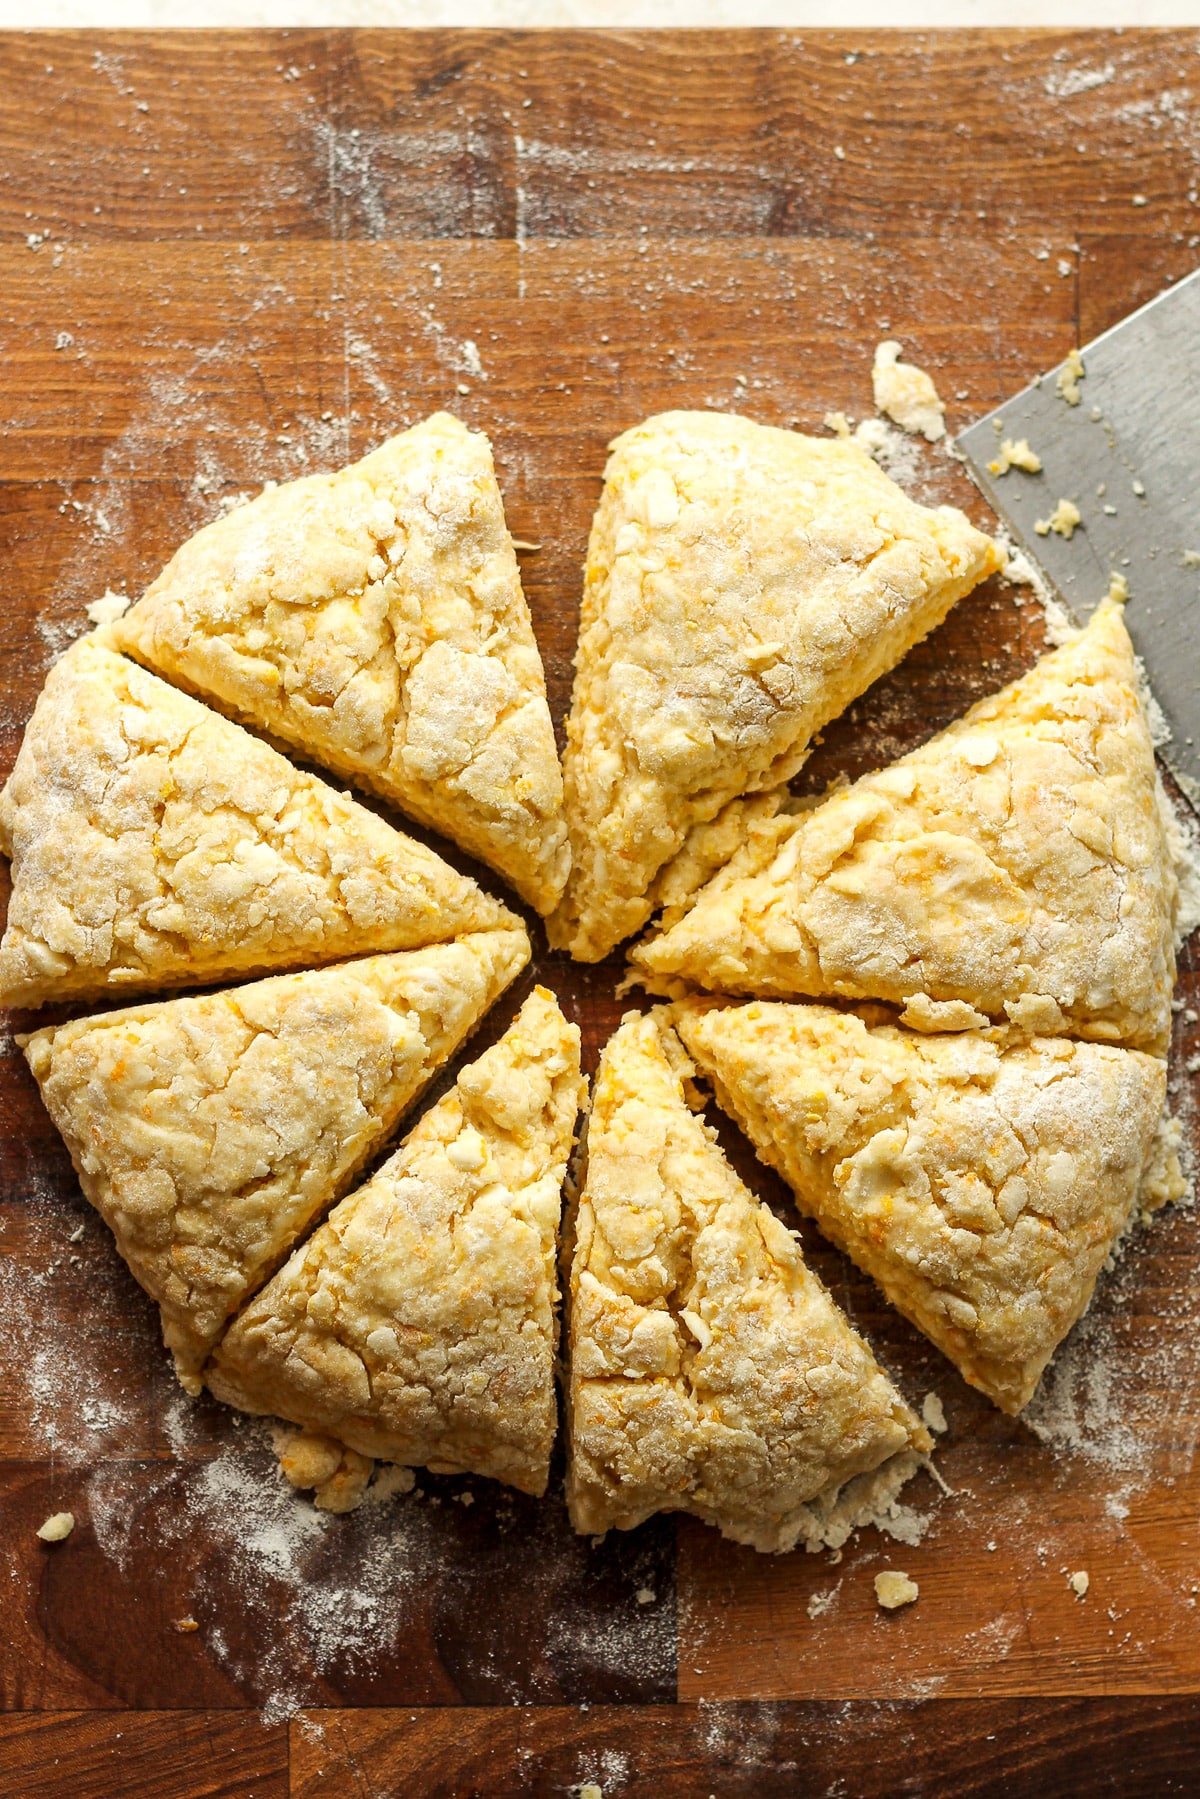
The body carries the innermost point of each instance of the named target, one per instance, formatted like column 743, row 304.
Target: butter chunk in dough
column 211, row 1132
column 1017, row 864
column 710, row 1371
column 743, row 585
column 418, row 1324
column 375, row 619
column 981, row 1182
column 155, row 844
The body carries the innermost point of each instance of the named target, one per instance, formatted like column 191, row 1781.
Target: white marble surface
column 627, row 13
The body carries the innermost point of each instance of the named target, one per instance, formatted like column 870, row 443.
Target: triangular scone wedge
column 1016, row 866
column 155, row 844
column 981, row 1182
column 212, row 1132
column 710, row 1372
column 743, row 585
column 418, row 1324
column 375, row 619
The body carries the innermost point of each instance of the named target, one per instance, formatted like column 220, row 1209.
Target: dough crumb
column 1016, row 454
column 839, row 424
column 906, row 393
column 186, row 1626
column 589, row 1790
column 1079, row 1582
column 108, row 607
column 645, row 1595
column 1191, row 558
column 57, row 1527
column 933, row 1413
column 893, row 1589
column 338, row 1475
column 1068, row 378
column 1063, row 520
column 924, row 1014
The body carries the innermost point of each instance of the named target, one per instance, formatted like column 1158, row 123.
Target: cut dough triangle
column 211, row 1132
column 418, row 1324
column 981, row 1182
column 375, row 619
column 710, row 1371
column 1018, row 864
column 743, row 586
column 155, row 844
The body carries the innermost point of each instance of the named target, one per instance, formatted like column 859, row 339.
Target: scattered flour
column 1061, row 85
column 897, row 454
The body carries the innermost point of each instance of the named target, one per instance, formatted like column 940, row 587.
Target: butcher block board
column 232, row 258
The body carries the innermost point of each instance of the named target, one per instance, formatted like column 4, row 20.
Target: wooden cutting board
column 235, row 258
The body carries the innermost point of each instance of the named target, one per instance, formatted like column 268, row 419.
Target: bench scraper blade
column 1128, row 456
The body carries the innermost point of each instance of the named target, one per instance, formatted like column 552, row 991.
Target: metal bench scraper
column 1128, row 456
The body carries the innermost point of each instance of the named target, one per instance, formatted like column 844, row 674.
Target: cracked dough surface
column 982, row 1183
column 710, row 1371
column 1018, row 863
column 375, row 619
column 155, row 844
column 417, row 1325
column 211, row 1132
column 743, row 585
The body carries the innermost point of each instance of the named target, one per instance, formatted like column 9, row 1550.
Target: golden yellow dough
column 1017, row 866
column 212, row 1132
column 375, row 619
column 155, row 844
column 418, row 1324
column 981, row 1181
column 710, row 1372
column 743, row 585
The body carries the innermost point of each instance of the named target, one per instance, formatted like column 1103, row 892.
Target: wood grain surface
column 231, row 258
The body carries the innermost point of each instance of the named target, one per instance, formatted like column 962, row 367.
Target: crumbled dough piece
column 1163, row 1180
column 1016, row 454
column 57, row 1528
column 1063, row 520
column 1079, row 1582
column 743, row 586
column 309, row 1460
column 590, row 1790
column 924, row 1014
column 108, row 608
column 1068, row 378
column 933, row 1413
column 982, row 1182
column 894, row 1589
column 645, row 1595
column 212, row 1132
column 709, row 1370
column 186, row 1626
column 838, row 423
column 155, row 844
column 375, row 619
column 1018, row 864
column 907, row 394
column 417, row 1324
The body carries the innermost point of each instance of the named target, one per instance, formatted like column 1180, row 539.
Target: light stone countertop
column 794, row 14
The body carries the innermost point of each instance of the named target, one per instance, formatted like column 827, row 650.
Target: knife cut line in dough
column 212, row 1132
column 374, row 618
column 1016, row 867
column 743, row 585
column 418, row 1324
column 156, row 844
column 980, row 1178
column 709, row 1370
